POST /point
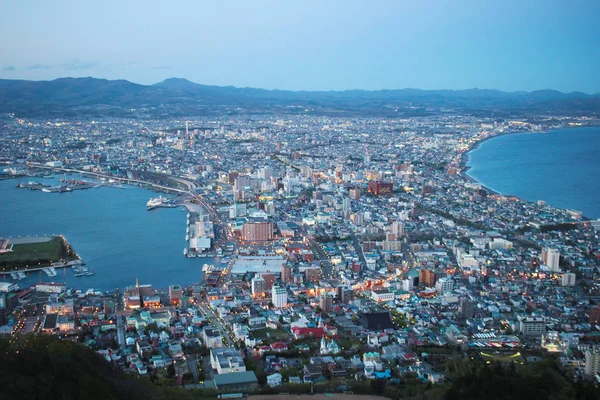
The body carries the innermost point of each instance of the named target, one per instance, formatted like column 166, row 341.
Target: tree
column 171, row 371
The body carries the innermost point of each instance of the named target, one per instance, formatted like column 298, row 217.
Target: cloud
column 39, row 66
column 77, row 64
column 9, row 68
column 74, row 64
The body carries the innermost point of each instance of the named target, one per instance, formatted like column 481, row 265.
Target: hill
column 176, row 96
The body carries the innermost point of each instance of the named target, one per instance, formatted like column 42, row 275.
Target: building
column 269, row 280
column 382, row 295
column 258, row 287
column 50, row 287
column 427, row 277
column 595, row 315
column 226, row 360
column 212, row 338
column 286, row 274
column 551, row 257
column 532, row 326
column 355, row 194
column 444, row 285
column 274, row 380
column 568, row 279
column 312, row 274
column 592, row 361
column 279, row 296
column 237, row 381
column 379, row 188
column 326, row 303
column 397, row 228
column 257, row 231
column 467, row 308
column 175, row 293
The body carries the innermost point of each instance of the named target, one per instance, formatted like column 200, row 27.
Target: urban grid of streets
column 450, row 261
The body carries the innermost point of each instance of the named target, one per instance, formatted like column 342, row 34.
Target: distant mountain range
column 176, row 96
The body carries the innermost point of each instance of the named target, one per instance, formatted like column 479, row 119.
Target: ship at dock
column 156, row 202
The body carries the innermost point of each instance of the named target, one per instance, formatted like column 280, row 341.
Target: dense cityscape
column 354, row 254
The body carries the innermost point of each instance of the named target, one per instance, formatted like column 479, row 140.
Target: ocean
column 109, row 228
column 561, row 167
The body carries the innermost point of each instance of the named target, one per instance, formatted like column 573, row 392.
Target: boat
column 207, row 268
column 185, row 252
column 156, row 202
column 21, row 275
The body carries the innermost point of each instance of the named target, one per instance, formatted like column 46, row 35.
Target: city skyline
column 433, row 45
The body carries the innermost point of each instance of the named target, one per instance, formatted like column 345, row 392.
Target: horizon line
column 303, row 90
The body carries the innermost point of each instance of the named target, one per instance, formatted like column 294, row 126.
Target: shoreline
column 464, row 159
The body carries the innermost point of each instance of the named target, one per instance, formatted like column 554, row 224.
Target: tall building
column 551, row 257
column 257, row 231
column 568, row 279
column 358, row 218
column 175, row 293
column 269, row 279
column 286, row 274
column 326, row 303
column 592, row 361
column 258, row 287
column 279, row 296
column 427, row 277
column 444, row 285
column 397, row 228
column 312, row 274
column 355, row 193
column 595, row 315
column 346, row 204
column 467, row 308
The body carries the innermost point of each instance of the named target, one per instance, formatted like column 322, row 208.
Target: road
column 216, row 322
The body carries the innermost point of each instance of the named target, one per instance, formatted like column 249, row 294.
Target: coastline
column 464, row 159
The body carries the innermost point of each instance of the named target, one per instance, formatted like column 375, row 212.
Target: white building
column 444, row 285
column 382, row 295
column 274, row 380
column 532, row 326
column 551, row 257
column 568, row 279
column 226, row 360
column 258, row 287
column 279, row 296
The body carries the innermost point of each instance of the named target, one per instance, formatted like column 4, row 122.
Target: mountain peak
column 176, row 83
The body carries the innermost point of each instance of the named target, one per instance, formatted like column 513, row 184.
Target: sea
column 561, row 167
column 109, row 228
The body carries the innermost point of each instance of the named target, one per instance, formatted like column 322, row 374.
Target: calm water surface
column 562, row 167
column 109, row 228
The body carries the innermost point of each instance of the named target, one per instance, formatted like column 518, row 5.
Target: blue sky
column 309, row 45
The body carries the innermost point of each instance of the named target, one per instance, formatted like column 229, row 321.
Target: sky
column 509, row 45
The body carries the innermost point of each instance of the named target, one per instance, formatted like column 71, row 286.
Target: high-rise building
column 257, row 231
column 346, row 204
column 595, row 315
column 568, row 279
column 444, row 285
column 175, row 293
column 326, row 303
column 467, row 308
column 269, row 279
column 258, row 287
column 551, row 257
column 592, row 361
column 358, row 218
column 397, row 228
column 355, row 194
column 279, row 296
column 286, row 274
column 427, row 277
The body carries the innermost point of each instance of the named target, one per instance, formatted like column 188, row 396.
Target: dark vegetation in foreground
column 44, row 367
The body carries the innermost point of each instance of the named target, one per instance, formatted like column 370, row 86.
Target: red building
column 380, row 188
